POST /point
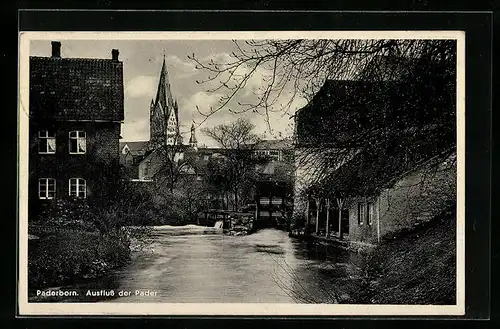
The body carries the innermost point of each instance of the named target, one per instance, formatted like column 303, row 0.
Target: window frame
column 46, row 138
column 77, row 138
column 78, row 187
column 361, row 213
column 47, row 191
column 274, row 155
column 370, row 212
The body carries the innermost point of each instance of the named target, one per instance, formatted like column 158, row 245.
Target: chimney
column 114, row 54
column 56, row 49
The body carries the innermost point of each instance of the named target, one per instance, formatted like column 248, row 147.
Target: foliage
column 66, row 256
column 71, row 214
column 193, row 198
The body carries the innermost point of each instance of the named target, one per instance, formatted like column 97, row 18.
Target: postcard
column 242, row 173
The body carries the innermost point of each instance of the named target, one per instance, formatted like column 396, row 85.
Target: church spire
column 164, row 118
column 192, row 140
column 163, row 93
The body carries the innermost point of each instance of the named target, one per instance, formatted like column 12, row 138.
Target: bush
column 74, row 214
column 64, row 257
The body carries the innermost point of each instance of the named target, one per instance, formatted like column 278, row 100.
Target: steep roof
column 164, row 99
column 76, row 89
column 373, row 169
column 342, row 108
column 135, row 145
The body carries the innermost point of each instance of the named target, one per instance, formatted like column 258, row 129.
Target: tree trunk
column 318, row 200
column 327, row 228
column 235, row 206
column 339, row 203
column 270, row 207
column 307, row 215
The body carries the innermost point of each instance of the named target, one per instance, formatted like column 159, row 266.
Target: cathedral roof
column 164, row 99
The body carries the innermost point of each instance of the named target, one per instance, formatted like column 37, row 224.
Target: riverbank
column 416, row 266
column 60, row 256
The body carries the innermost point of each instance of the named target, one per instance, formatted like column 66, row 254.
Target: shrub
column 63, row 256
column 73, row 214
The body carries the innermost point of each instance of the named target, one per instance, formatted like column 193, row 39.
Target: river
column 201, row 265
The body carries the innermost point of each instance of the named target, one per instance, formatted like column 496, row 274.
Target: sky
column 142, row 60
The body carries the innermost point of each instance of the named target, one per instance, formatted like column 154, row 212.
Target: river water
column 201, row 265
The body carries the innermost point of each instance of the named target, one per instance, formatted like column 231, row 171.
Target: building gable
column 76, row 89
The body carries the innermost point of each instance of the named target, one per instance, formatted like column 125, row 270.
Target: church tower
column 192, row 139
column 164, row 114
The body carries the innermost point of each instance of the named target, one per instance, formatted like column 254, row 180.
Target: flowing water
column 198, row 264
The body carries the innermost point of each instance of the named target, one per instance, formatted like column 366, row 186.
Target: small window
column 370, row 213
column 46, row 142
column 77, row 142
column 274, row 155
column 46, row 188
column 77, row 188
column 206, row 157
column 361, row 213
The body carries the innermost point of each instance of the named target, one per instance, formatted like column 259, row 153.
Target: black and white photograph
column 242, row 173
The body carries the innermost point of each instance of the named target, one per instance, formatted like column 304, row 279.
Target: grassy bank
column 66, row 256
column 413, row 267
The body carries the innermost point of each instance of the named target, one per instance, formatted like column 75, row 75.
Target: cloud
column 178, row 67
column 219, row 58
column 202, row 100
column 136, row 130
column 141, row 86
column 183, row 69
column 258, row 78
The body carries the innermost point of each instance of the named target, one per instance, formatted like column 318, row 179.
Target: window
column 46, row 188
column 206, row 157
column 46, row 142
column 274, row 155
column 77, row 188
column 361, row 213
column 370, row 213
column 146, row 170
column 77, row 142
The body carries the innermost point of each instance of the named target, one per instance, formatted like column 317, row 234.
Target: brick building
column 76, row 110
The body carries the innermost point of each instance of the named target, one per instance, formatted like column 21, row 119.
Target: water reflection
column 196, row 266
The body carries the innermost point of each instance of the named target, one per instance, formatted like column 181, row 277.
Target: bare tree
column 288, row 69
column 170, row 162
column 237, row 167
column 394, row 101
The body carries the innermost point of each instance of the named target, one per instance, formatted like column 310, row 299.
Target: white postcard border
column 227, row 309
